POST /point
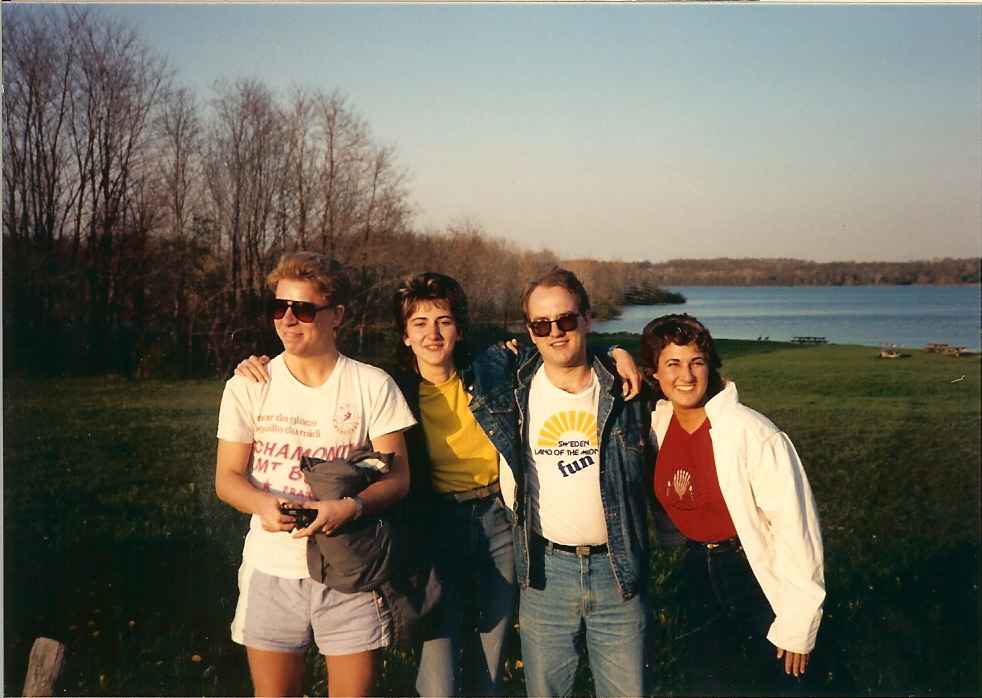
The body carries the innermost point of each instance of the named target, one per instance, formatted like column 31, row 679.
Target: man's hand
column 331, row 513
column 254, row 368
column 271, row 517
column 794, row 663
column 628, row 371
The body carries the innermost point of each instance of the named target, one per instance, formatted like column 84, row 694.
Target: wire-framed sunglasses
column 304, row 311
column 566, row 323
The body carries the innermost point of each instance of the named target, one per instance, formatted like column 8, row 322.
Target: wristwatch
column 359, row 506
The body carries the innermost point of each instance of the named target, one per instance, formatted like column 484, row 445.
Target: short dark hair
column 562, row 278
column 326, row 274
column 430, row 287
column 681, row 329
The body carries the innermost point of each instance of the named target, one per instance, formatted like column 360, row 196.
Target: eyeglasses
column 304, row 311
column 566, row 323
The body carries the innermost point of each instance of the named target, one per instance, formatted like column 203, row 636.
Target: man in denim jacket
column 581, row 537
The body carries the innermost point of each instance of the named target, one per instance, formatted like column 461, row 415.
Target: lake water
column 908, row 316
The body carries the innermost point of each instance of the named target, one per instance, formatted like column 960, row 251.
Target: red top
column 687, row 486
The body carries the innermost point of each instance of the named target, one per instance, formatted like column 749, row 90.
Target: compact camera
column 302, row 517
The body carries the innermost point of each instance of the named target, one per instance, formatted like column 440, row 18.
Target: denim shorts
column 284, row 615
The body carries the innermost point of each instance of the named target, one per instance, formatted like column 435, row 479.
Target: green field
column 115, row 544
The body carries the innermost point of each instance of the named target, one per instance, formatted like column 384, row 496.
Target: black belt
column 470, row 495
column 730, row 545
column 578, row 550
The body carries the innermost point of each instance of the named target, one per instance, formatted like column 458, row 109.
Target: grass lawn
column 115, row 544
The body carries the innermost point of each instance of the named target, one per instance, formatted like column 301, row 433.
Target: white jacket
column 771, row 504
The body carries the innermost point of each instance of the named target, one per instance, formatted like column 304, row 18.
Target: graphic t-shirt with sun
column 564, row 477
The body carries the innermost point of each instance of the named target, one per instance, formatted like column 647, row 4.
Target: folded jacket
column 355, row 556
column 371, row 553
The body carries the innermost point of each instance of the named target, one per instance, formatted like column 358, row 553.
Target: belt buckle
column 583, row 551
column 712, row 546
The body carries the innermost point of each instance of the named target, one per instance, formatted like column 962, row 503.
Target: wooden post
column 44, row 667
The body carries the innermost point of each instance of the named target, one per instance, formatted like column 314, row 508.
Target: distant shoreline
column 726, row 271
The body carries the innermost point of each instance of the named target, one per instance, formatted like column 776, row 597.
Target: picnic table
column 946, row 349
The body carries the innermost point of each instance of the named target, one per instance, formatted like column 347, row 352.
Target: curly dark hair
column 681, row 329
column 430, row 287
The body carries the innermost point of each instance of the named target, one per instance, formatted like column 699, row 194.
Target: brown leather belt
column 471, row 495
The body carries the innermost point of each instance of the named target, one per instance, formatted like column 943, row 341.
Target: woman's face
column 432, row 334
column 683, row 375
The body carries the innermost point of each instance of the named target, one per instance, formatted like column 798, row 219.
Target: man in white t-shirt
column 581, row 503
column 322, row 404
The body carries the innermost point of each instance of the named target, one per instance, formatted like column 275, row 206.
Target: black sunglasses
column 304, row 311
column 566, row 323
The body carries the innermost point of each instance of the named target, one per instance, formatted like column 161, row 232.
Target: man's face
column 306, row 338
column 558, row 348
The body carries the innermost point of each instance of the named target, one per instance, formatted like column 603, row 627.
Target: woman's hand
column 331, row 513
column 794, row 663
column 270, row 516
column 628, row 371
column 254, row 368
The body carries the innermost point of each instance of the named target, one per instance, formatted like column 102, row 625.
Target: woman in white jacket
column 734, row 486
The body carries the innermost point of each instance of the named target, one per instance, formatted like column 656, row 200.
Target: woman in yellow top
column 459, row 515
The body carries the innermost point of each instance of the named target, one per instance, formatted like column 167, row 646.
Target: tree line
column 724, row 271
column 139, row 219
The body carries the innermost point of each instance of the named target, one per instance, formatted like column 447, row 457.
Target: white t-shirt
column 285, row 419
column 564, row 472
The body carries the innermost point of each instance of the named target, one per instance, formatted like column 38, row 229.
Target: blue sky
column 642, row 131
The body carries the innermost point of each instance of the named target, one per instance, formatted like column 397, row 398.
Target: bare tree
column 117, row 85
column 342, row 142
column 247, row 163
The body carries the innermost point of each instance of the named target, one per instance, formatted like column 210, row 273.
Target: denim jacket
column 625, row 458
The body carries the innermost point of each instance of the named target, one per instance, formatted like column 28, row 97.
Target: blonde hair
column 326, row 274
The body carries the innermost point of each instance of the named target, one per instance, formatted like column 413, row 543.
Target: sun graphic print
column 568, row 439
column 562, row 423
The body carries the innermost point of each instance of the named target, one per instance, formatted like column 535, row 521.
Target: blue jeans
column 581, row 601
column 725, row 650
column 473, row 553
